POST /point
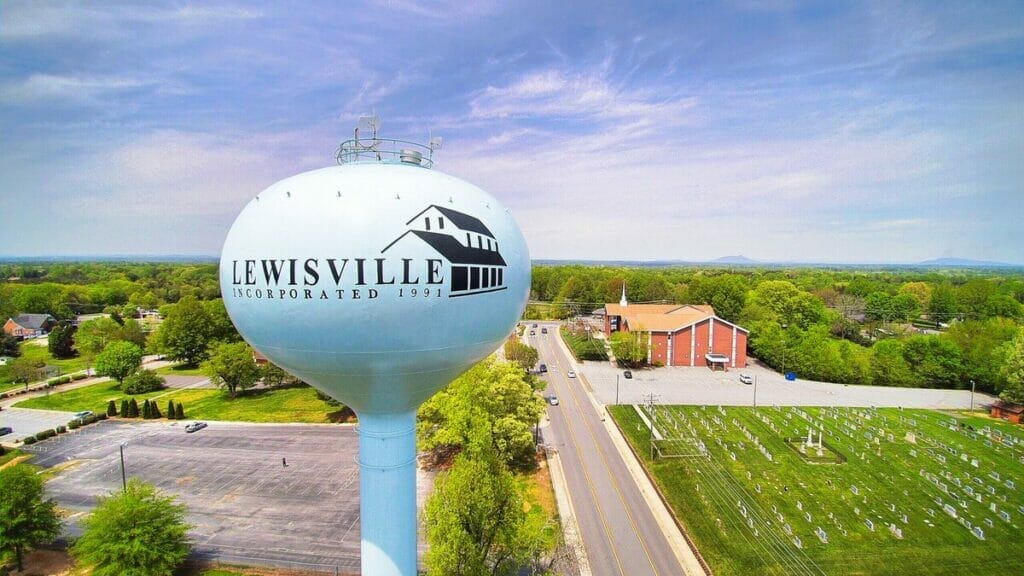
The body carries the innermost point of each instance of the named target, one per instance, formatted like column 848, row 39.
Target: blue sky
column 825, row 131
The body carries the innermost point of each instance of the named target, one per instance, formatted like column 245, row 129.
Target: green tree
column 475, row 521
column 142, row 382
column 25, row 370
column 112, row 408
column 790, row 305
column 524, row 355
column 93, row 336
column 119, row 360
column 726, row 293
column 273, row 376
column 943, row 306
column 935, row 360
column 9, row 345
column 125, row 410
column 186, row 332
column 888, row 366
column 179, row 412
column 133, row 409
column 26, row 518
column 170, row 409
column 222, row 329
column 138, row 532
column 630, row 348
column 496, row 398
column 232, row 367
column 61, row 341
column 1013, row 370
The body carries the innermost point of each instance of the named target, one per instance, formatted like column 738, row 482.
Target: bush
column 170, row 409
column 101, row 417
column 179, row 412
column 142, row 382
column 29, row 440
column 46, row 434
column 62, row 429
column 74, row 424
column 111, row 408
column 154, row 410
column 52, row 382
column 63, row 379
column 125, row 413
column 133, row 409
column 81, row 376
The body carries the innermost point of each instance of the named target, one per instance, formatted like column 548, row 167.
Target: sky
column 779, row 130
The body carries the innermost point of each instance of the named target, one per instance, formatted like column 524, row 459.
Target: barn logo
column 475, row 266
column 465, row 242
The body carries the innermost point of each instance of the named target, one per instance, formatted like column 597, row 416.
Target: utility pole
column 755, row 390
column 650, row 400
column 972, row 395
column 616, row 389
column 783, row 350
column 124, row 481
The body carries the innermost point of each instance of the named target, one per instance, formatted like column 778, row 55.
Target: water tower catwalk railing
column 371, row 148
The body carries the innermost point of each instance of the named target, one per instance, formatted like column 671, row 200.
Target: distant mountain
column 734, row 260
column 965, row 263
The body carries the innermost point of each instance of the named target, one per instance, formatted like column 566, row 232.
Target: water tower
column 377, row 281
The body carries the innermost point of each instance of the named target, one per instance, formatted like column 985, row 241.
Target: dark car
column 6, row 430
column 627, row 375
column 195, row 426
column 543, row 330
column 543, row 367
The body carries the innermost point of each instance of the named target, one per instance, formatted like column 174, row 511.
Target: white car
column 746, row 379
column 572, row 374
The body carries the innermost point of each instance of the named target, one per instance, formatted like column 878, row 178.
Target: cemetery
column 797, row 490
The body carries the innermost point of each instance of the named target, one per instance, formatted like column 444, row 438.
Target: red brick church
column 680, row 334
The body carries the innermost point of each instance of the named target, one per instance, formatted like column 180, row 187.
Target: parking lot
column 28, row 422
column 245, row 505
column 699, row 385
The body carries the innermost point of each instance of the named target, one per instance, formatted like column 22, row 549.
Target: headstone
column 797, row 542
column 799, row 505
column 974, row 462
column 856, row 511
column 788, row 529
column 896, row 531
column 869, row 524
column 905, row 520
column 949, row 510
column 855, row 490
column 978, row 533
column 1004, row 515
column 1009, row 484
column 989, row 523
column 822, row 535
column 913, row 453
column 807, row 515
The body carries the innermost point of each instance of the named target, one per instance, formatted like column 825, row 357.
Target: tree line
column 893, row 327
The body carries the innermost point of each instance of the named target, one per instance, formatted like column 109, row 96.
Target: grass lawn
column 180, row 370
column 584, row 348
column 279, row 405
column 881, row 510
column 34, row 352
column 10, row 455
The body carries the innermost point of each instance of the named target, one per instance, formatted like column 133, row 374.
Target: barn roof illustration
column 453, row 250
column 462, row 221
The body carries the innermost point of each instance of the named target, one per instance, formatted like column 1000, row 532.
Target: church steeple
column 622, row 301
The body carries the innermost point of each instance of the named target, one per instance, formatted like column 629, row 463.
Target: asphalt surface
column 245, row 505
column 619, row 532
column 701, row 386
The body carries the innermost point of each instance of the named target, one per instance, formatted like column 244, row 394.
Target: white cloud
column 51, row 87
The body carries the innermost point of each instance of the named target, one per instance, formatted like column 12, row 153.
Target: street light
column 124, row 480
column 616, row 389
column 972, row 395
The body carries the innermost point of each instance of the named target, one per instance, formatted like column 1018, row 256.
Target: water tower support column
column 387, row 485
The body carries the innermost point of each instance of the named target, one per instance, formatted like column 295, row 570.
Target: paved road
column 619, row 531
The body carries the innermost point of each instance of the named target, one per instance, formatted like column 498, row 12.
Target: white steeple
column 622, row 301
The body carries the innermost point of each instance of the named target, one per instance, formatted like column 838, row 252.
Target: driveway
column 699, row 385
column 245, row 505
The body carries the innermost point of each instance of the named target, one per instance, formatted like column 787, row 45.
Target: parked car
column 6, row 430
column 543, row 330
column 534, row 326
column 195, row 426
column 746, row 378
column 543, row 367
column 533, row 332
column 82, row 415
column 627, row 375
column 553, row 400
column 572, row 374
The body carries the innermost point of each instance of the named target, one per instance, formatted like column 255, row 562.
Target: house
column 83, row 318
column 29, row 325
column 1007, row 411
column 468, row 245
column 681, row 335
